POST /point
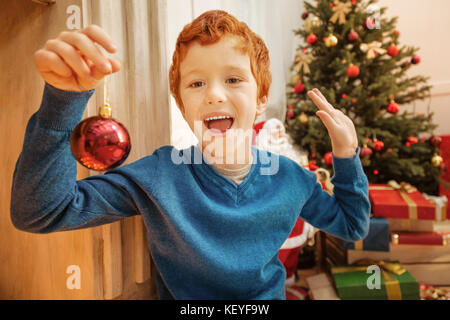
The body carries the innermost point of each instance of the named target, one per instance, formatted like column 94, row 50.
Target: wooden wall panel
column 33, row 266
column 114, row 260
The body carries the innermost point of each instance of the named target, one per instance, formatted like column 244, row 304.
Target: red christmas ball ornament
column 328, row 158
column 412, row 140
column 100, row 142
column 393, row 107
column 305, row 15
column 365, row 151
column 352, row 71
column 375, row 172
column 378, row 145
column 406, row 64
column 290, row 114
column 436, row 141
column 311, row 39
column 299, row 87
column 312, row 165
column 396, row 32
column 415, row 60
column 353, row 36
column 392, row 50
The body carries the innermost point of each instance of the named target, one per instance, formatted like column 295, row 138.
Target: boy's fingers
column 85, row 45
column 98, row 74
column 99, row 36
column 70, row 56
column 321, row 104
column 48, row 61
column 327, row 120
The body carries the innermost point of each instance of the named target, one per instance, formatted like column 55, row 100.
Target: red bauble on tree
column 393, row 107
column 311, row 39
column 378, row 145
column 312, row 165
column 392, row 50
column 353, row 36
column 352, row 71
column 412, row 140
column 366, row 151
column 290, row 114
column 328, row 158
column 415, row 60
column 299, row 88
column 436, row 141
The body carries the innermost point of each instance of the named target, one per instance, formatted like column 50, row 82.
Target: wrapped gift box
column 405, row 254
column 321, row 287
column 418, row 225
column 402, row 201
column 352, row 283
column 421, row 238
column 445, row 154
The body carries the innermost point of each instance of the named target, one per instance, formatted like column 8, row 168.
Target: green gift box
column 371, row 280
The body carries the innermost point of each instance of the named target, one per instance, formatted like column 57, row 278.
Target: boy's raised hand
column 73, row 62
column 342, row 132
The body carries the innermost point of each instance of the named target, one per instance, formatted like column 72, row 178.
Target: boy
column 214, row 226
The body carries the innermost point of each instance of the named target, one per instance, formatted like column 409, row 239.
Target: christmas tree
column 351, row 53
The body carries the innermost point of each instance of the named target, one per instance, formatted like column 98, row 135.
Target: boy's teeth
column 218, row 117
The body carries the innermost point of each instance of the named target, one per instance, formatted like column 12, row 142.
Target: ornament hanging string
column 105, row 110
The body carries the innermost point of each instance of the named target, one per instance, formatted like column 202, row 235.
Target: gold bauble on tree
column 303, row 118
column 437, row 160
column 331, row 41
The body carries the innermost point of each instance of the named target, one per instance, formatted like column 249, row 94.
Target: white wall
column 425, row 24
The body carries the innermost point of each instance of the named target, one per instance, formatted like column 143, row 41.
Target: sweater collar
column 207, row 174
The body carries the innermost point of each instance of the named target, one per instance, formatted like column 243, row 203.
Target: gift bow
column 388, row 271
column 440, row 204
column 403, row 186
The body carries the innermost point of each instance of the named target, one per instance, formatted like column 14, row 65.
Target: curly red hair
column 209, row 28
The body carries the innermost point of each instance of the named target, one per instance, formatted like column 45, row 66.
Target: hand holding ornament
column 73, row 62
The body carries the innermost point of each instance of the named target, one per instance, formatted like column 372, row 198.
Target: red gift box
column 421, row 238
column 388, row 201
column 445, row 154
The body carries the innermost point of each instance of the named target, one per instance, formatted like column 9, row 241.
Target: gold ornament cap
column 105, row 111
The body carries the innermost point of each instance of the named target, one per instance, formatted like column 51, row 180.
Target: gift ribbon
column 388, row 272
column 403, row 188
column 440, row 204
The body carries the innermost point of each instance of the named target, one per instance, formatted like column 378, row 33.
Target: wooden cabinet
column 110, row 261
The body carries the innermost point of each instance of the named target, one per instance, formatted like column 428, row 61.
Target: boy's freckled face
column 217, row 78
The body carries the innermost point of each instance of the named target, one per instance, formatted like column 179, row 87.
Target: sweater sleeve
column 45, row 195
column 345, row 214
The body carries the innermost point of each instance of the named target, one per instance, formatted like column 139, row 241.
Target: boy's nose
column 215, row 94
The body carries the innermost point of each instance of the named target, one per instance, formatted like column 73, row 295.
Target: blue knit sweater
column 209, row 238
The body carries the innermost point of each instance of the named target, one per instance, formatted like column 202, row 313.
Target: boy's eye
column 236, row 80
column 194, row 84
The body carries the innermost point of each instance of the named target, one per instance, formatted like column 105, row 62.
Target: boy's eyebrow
column 228, row 67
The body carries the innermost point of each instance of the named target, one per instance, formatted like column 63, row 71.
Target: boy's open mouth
column 219, row 122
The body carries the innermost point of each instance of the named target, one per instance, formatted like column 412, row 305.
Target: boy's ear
column 262, row 106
